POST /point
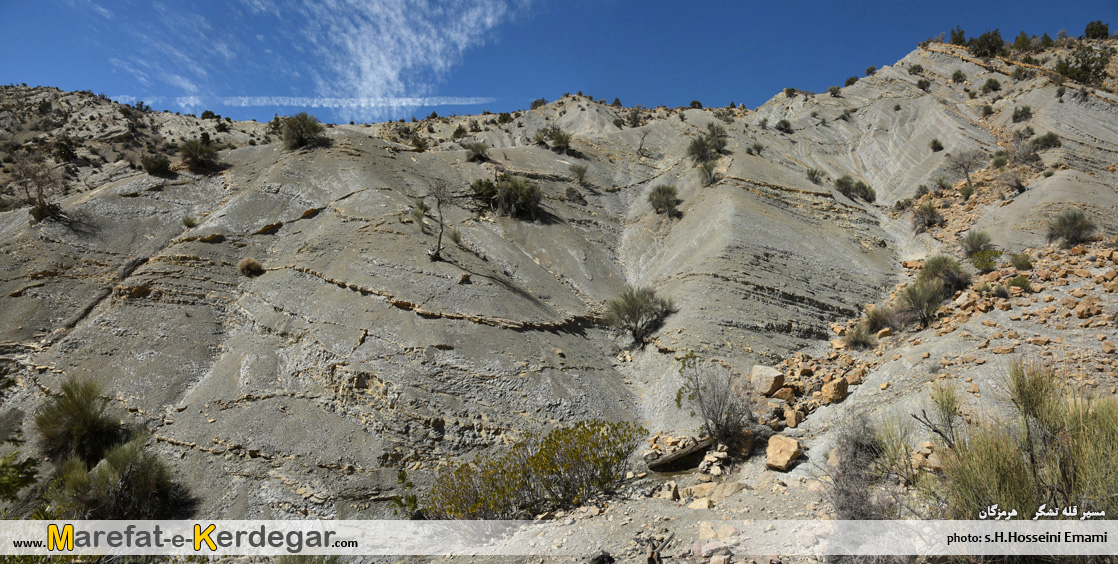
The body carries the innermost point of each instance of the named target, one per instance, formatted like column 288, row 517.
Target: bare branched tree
column 723, row 400
column 966, row 162
column 442, row 194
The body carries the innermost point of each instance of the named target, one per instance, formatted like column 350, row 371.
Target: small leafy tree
column 1097, row 30
column 966, row 162
column 39, row 182
column 639, row 311
column 441, row 193
column 987, row 45
column 302, row 130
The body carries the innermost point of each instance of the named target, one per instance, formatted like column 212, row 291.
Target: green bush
column 923, row 84
column 1021, row 261
column 156, row 165
column 976, row 241
column 966, row 191
column 663, row 199
column 127, row 484
column 199, row 154
column 476, row 152
column 835, row 92
column 639, row 311
column 947, row 271
column 418, row 143
column 1022, row 113
column 16, row 474
column 784, row 126
column 915, row 69
column 880, row 316
column 924, row 216
column 459, row 132
column 790, row 92
column 561, row 470
column 852, row 81
column 708, row 172
column 696, row 104
column 959, row 76
column 1071, row 227
column 1047, row 141
column 921, row 299
column 991, row 85
column 1020, row 281
column 74, row 423
column 814, row 175
column 509, row 195
column 850, row 188
column 985, row 260
column 958, row 36
column 936, row 145
column 870, row 70
column 539, row 103
column 302, row 130
column 701, row 149
column 987, row 110
column 503, row 118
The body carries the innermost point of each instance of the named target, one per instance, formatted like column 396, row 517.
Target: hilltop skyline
column 375, row 61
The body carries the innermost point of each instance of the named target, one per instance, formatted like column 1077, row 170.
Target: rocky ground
column 306, row 389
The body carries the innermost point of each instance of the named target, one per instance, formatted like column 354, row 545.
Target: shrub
column 563, row 469
column 663, row 199
column 1071, row 227
column 1097, row 30
column 959, row 76
column 579, row 172
column 73, row 423
column 1020, row 281
column 958, row 36
column 696, row 104
column 1021, row 73
column 870, row 70
column 459, row 132
column 859, row 336
column 538, row 103
column 156, row 165
column 999, row 161
column 835, row 91
column 198, row 154
column 128, row 484
column 880, row 316
column 987, row 110
column 475, row 127
column 991, row 85
column 784, row 126
column 1047, row 141
column 516, row 197
column 790, row 92
column 1000, row 291
column 701, row 149
column 855, row 474
column 757, row 148
column 16, row 474
column 560, row 141
column 975, row 241
column 1022, row 113
column 915, row 69
column 503, row 118
column 1021, row 261
column 947, row 271
column 476, row 152
column 302, row 130
column 921, row 299
column 639, row 311
column 250, row 267
column 814, row 175
column 708, row 173
column 851, row 81
column 418, row 143
column 896, row 107
column 986, row 260
column 723, row 400
column 850, row 188
column 923, row 84
column 966, row 191
column 936, row 145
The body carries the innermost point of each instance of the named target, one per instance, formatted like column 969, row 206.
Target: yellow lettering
column 200, row 535
column 65, row 539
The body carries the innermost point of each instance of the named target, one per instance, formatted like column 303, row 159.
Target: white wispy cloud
column 328, row 102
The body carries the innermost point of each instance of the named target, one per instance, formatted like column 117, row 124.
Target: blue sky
column 377, row 59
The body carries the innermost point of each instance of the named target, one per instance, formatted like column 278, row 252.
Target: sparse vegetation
column 579, row 172
column 476, row 152
column 663, row 199
column 39, row 182
column 74, row 423
column 1021, row 261
column 509, row 195
column 560, row 470
column 966, row 191
column 859, row 336
column 199, row 154
column 959, row 76
column 708, row 172
column 783, row 126
column 128, row 484
column 985, row 260
column 1071, row 227
column 976, row 241
column 1020, row 281
column 250, row 267
column 1022, row 113
column 923, row 84
column 724, row 401
column 815, row 175
column 639, row 311
column 921, row 299
column 936, row 145
column 926, row 216
column 1047, row 141
column 880, row 316
column 850, row 188
column 156, row 165
column 302, row 130
column 991, row 85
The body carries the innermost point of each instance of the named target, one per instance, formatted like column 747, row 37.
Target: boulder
column 724, row 490
column 835, row 390
column 766, row 380
column 782, row 452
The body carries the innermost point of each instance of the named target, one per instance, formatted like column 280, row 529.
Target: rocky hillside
column 308, row 387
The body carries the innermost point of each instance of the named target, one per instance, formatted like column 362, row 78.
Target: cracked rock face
column 303, row 390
